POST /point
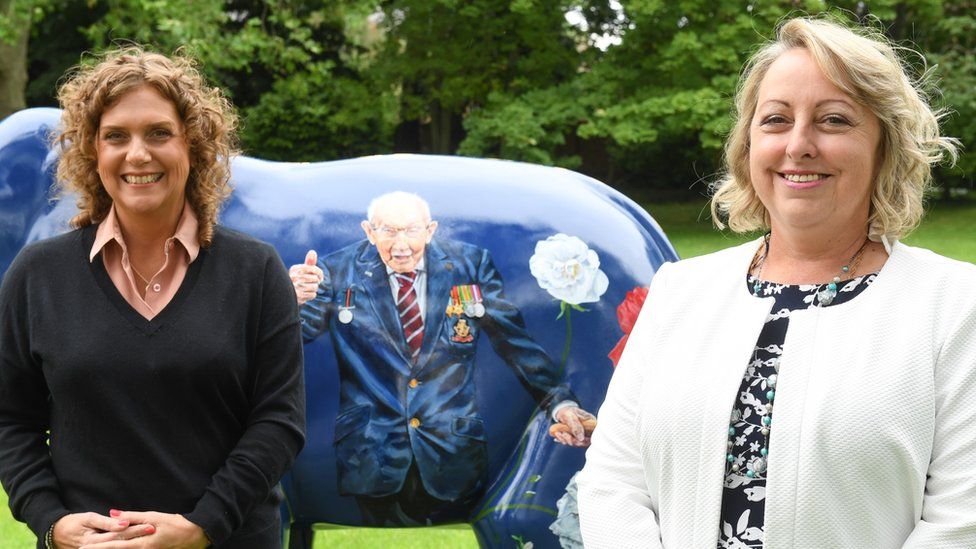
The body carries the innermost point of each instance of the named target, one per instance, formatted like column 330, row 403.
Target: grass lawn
column 15, row 535
column 948, row 229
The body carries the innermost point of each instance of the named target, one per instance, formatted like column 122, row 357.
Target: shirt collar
column 419, row 268
column 108, row 230
column 186, row 233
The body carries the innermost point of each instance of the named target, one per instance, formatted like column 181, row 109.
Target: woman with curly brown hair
column 150, row 361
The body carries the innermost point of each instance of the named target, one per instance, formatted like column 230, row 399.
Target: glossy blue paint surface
column 505, row 207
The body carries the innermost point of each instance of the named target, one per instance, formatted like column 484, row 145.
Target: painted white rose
column 566, row 268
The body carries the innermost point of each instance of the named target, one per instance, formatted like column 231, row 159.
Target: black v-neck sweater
column 198, row 411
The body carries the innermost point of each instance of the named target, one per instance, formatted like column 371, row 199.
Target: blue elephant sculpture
column 512, row 210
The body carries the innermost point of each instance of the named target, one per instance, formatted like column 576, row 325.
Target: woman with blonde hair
column 816, row 387
column 150, row 360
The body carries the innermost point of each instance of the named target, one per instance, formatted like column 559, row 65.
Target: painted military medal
column 479, row 306
column 345, row 311
column 467, row 299
column 455, row 308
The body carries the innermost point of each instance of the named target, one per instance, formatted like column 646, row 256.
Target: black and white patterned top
column 742, row 521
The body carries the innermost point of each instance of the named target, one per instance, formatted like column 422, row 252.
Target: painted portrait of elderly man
column 405, row 311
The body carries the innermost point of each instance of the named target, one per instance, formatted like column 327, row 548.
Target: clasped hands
column 574, row 427
column 127, row 530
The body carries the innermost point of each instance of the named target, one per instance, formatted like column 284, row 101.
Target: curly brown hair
column 209, row 121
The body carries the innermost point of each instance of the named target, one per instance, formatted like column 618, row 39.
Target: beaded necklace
column 825, row 296
column 825, row 292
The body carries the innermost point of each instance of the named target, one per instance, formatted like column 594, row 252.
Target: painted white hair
column 397, row 199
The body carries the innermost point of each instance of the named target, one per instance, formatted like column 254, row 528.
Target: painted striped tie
column 409, row 309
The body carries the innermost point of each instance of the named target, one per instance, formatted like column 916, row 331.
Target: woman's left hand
column 172, row 532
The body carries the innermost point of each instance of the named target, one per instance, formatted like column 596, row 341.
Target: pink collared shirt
column 159, row 287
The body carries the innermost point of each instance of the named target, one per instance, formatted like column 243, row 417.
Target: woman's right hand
column 306, row 277
column 75, row 530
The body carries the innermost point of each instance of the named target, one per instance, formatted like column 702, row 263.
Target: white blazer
column 873, row 441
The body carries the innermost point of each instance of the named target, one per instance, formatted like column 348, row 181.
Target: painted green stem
column 569, row 339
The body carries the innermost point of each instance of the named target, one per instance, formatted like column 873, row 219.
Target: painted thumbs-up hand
column 306, row 277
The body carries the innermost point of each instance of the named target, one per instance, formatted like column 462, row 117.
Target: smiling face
column 400, row 230
column 814, row 151
column 143, row 158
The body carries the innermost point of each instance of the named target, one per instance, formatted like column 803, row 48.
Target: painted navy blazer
column 392, row 412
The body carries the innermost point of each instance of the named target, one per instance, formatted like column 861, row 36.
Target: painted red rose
column 627, row 313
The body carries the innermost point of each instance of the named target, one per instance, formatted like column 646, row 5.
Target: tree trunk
column 899, row 25
column 440, row 129
column 13, row 64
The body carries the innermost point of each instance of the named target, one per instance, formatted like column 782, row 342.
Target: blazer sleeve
column 506, row 329
column 275, row 430
column 315, row 312
column 949, row 505
column 615, row 506
column 25, row 461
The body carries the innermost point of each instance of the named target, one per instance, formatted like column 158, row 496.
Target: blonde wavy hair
column 210, row 128
column 866, row 66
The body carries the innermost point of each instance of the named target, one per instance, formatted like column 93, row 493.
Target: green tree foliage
column 57, row 40
column 16, row 17
column 637, row 93
column 316, row 114
column 951, row 41
column 282, row 61
column 657, row 105
column 288, row 65
column 447, row 56
column 532, row 127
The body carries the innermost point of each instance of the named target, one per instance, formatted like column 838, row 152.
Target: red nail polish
column 114, row 512
column 150, row 529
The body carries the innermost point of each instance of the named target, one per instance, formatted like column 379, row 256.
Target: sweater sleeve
column 275, row 429
column 949, row 505
column 25, row 460
column 615, row 506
